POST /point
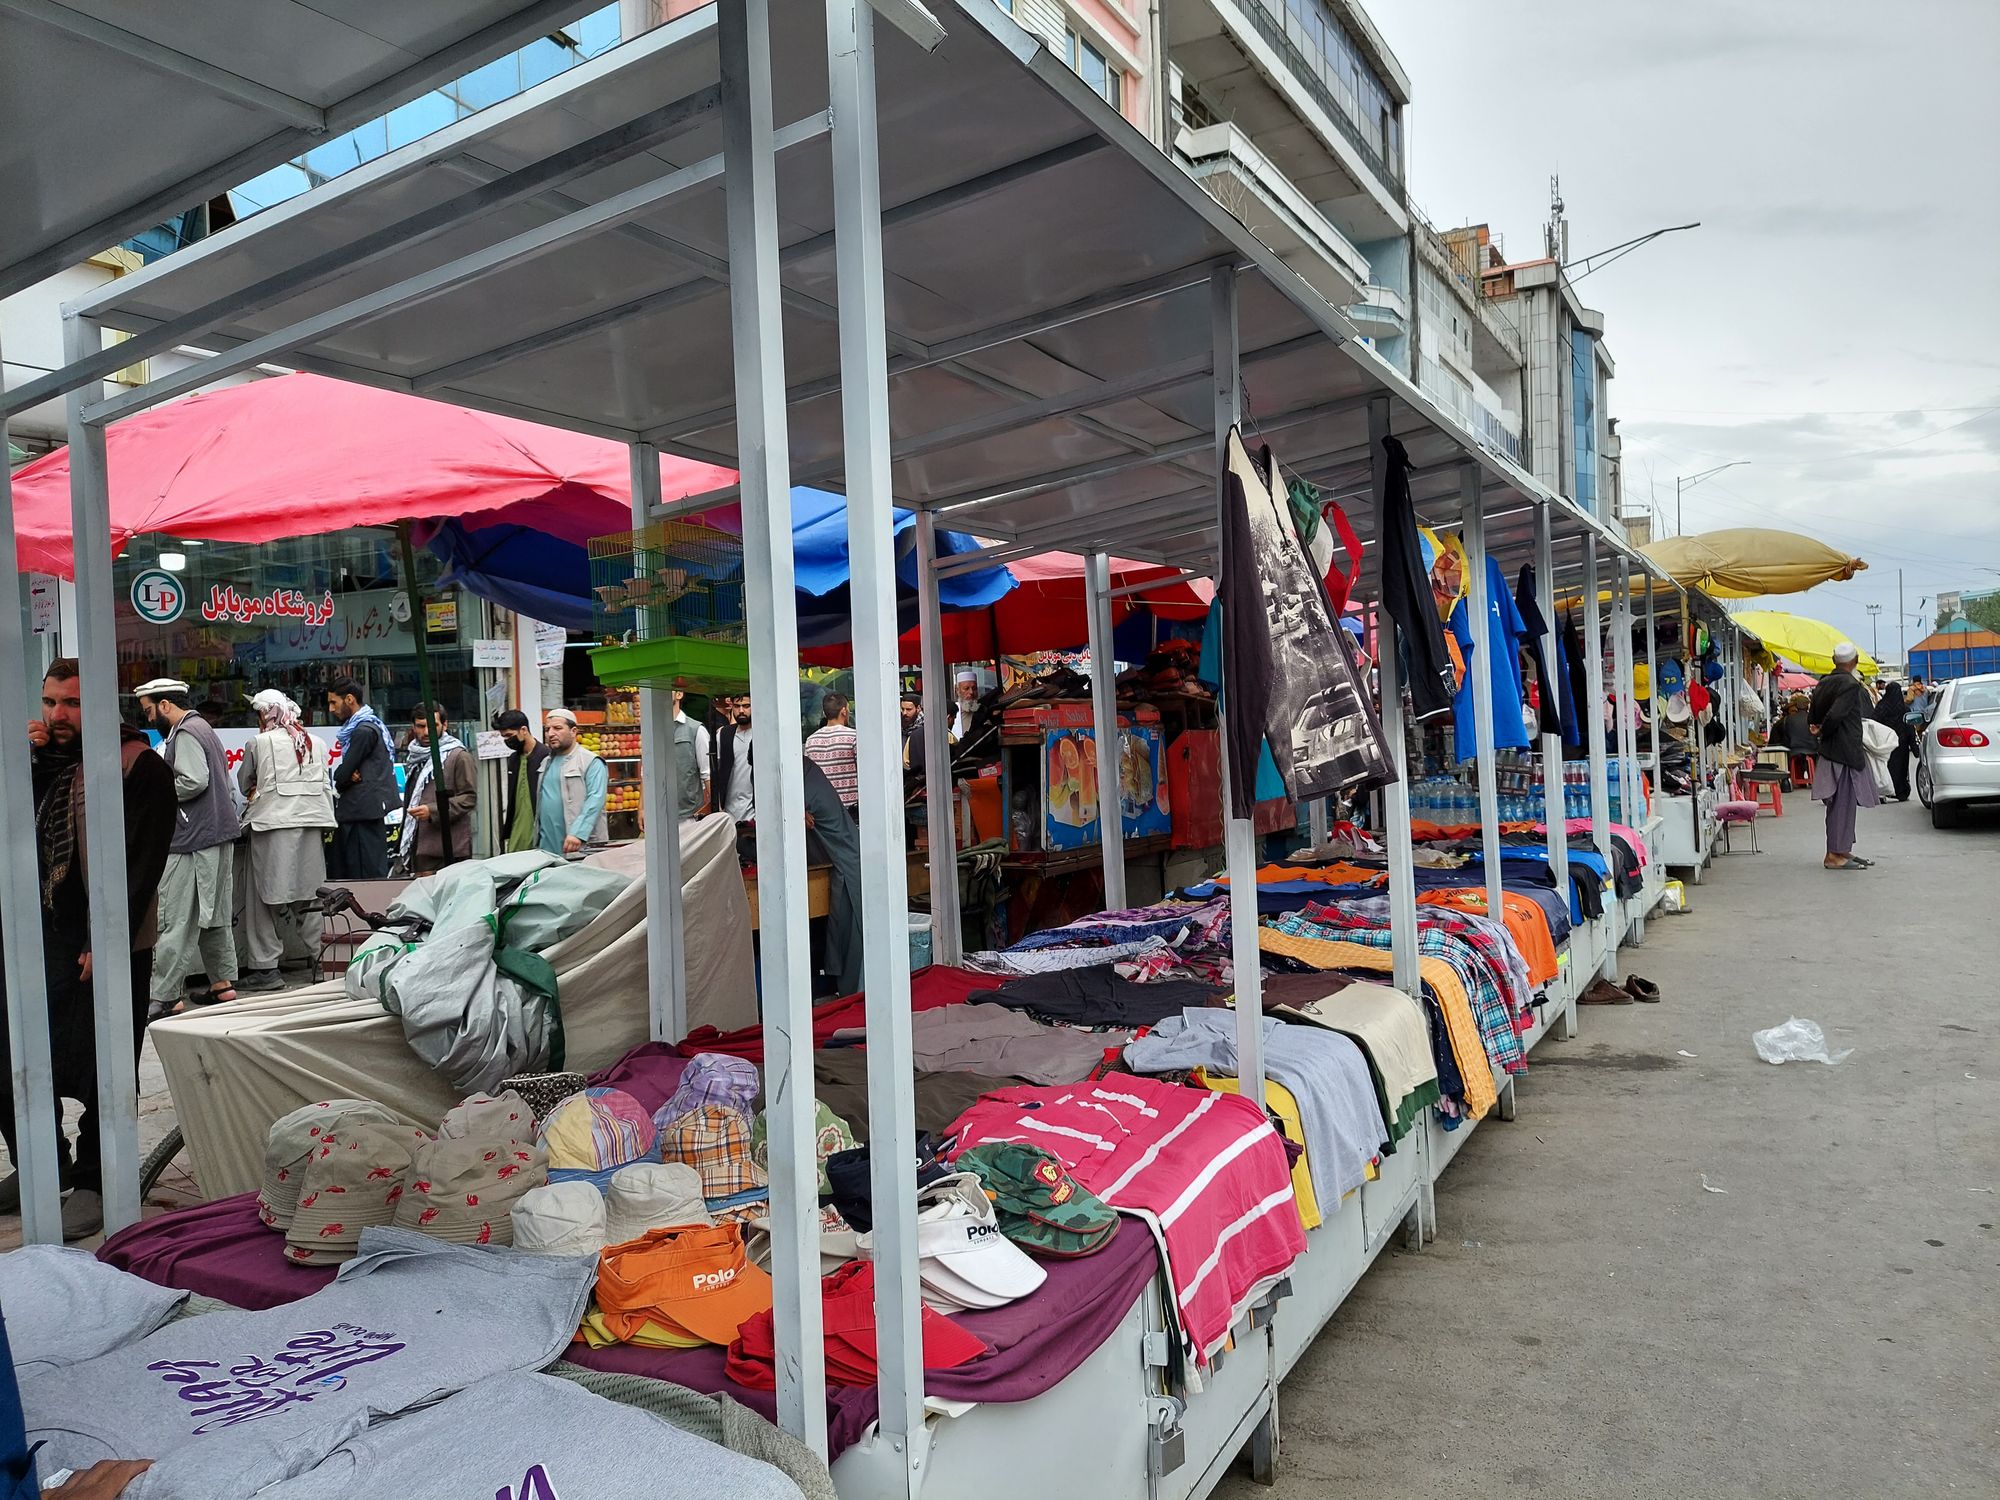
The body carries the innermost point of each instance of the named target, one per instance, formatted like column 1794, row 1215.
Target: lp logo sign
column 157, row 597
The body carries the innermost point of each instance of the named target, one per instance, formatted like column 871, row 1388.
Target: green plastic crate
column 683, row 661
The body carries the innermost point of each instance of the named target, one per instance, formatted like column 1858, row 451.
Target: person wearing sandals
column 56, row 770
column 197, row 892
column 1842, row 780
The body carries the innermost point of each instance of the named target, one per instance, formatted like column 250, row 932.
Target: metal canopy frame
column 767, row 295
column 227, row 89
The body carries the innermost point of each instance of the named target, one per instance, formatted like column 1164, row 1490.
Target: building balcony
column 1223, row 160
column 1381, row 313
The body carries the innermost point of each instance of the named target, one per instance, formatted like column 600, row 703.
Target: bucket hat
column 963, row 1260
column 830, row 1135
column 714, row 1139
column 559, row 1218
column 463, row 1190
column 592, row 1134
column 544, row 1091
column 652, row 1195
column 1039, row 1206
column 694, row 1280
column 352, row 1181
column 293, row 1139
column 712, row 1078
column 504, row 1116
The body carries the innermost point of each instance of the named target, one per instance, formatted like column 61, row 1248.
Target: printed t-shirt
column 1205, row 1171
column 533, row 1437
column 232, row 1401
column 1501, row 648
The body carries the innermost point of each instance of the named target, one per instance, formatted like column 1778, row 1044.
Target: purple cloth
column 221, row 1250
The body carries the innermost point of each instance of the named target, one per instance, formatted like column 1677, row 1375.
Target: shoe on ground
column 259, row 982
column 10, row 1189
column 1642, row 989
column 1603, row 992
column 83, row 1214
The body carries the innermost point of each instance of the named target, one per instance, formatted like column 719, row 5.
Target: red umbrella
column 298, row 455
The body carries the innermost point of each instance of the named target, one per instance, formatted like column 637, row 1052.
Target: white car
column 1960, row 753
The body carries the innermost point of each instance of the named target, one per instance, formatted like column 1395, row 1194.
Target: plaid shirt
column 1489, row 1005
column 1489, row 939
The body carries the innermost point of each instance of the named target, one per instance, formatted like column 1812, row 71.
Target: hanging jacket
column 1406, row 591
column 1525, row 600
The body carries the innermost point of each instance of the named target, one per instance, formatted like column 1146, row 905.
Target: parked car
column 1959, row 752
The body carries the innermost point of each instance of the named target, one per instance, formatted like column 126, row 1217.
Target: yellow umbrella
column 1747, row 563
column 1810, row 643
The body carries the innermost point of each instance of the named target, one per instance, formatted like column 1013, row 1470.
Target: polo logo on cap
column 708, row 1281
column 974, row 1233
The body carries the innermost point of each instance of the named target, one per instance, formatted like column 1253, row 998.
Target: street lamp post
column 1874, row 630
column 1689, row 481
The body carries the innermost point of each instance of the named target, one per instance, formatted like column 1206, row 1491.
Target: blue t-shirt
column 1504, row 629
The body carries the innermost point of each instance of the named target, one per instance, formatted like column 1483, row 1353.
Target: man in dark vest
column 364, row 786
column 198, row 889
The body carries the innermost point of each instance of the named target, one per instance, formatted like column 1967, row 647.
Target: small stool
column 1757, row 782
column 1802, row 770
column 1729, row 814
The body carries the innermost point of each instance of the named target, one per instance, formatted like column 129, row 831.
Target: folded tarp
column 235, row 1069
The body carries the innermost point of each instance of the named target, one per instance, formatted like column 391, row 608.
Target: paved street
column 1591, row 1322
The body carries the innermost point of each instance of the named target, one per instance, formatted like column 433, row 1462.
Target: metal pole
column 1479, row 607
column 31, row 1071
column 1653, row 685
column 420, row 631
column 666, row 961
column 1555, row 803
column 1593, row 712
column 1679, row 528
column 1239, row 834
column 885, row 901
column 1395, row 796
column 1628, row 733
column 763, row 462
column 947, row 925
column 103, row 789
column 1104, row 718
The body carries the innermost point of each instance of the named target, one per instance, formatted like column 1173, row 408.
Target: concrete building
column 1469, row 355
column 1291, row 113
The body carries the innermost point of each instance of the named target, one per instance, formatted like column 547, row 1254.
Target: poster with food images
column 1071, row 795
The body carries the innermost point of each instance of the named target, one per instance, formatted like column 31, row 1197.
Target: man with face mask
column 520, row 781
column 734, row 788
column 57, row 771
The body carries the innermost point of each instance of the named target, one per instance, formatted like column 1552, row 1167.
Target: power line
column 1813, row 463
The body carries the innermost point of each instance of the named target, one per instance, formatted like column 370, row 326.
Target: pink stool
column 1729, row 814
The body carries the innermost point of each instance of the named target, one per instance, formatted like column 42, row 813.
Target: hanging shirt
column 1501, row 650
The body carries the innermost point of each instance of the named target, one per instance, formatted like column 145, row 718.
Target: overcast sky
column 1835, row 320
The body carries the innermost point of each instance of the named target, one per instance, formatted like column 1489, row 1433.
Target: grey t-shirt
column 64, row 1306
column 533, row 1437
column 234, row 1401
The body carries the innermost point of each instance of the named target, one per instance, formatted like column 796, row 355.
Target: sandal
column 221, row 995
column 1603, row 992
column 1852, row 864
column 1866, row 864
column 1642, row 989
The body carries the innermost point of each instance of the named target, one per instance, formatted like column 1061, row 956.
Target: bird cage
column 667, row 608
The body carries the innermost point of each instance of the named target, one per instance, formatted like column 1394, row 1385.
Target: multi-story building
column 1291, row 113
column 1468, row 347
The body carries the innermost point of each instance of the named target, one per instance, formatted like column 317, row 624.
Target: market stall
column 1153, row 290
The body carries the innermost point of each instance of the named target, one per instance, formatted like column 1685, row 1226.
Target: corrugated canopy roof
column 116, row 116
column 1047, row 279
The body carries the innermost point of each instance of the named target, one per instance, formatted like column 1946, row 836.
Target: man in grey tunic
column 196, row 893
column 283, row 775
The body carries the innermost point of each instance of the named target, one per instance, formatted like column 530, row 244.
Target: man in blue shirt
column 574, row 786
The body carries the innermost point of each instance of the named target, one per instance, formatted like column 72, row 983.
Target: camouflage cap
column 1039, row 1205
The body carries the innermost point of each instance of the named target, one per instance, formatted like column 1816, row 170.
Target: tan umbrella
column 1748, row 562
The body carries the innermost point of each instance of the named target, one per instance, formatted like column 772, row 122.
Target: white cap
column 964, row 1262
column 160, row 685
column 1845, row 652
column 652, row 1195
column 559, row 1218
column 966, row 674
column 561, row 713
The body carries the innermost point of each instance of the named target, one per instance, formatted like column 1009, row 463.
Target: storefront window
column 231, row 618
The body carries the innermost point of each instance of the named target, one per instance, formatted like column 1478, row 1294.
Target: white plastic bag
column 1796, row 1041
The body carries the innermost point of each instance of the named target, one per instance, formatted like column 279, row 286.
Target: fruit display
column 612, row 744
column 623, row 796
